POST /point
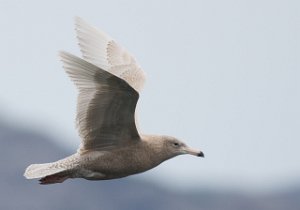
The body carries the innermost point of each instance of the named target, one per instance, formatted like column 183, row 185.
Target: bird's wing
column 105, row 108
column 101, row 50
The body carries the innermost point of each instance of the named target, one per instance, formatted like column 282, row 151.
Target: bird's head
column 176, row 147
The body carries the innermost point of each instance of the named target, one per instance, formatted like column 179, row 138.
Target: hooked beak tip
column 200, row 154
column 195, row 152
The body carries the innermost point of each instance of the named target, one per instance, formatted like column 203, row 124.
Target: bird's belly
column 107, row 165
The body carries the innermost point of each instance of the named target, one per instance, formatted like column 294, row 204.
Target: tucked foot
column 52, row 179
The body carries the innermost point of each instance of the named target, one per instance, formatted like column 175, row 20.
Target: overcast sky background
column 223, row 76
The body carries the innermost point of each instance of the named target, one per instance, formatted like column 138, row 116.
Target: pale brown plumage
column 109, row 81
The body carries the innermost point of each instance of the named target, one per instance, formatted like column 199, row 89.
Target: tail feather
column 42, row 170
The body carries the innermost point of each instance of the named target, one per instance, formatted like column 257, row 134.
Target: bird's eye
column 176, row 144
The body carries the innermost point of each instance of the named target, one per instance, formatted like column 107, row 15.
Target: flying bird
column 109, row 81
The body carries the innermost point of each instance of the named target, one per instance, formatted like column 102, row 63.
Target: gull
column 109, row 81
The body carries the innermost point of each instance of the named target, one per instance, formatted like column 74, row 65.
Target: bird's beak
column 195, row 152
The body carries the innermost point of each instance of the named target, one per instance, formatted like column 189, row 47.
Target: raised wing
column 106, row 106
column 102, row 51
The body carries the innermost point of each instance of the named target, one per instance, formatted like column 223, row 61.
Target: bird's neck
column 155, row 148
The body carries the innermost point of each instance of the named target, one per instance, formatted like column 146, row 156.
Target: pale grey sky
column 222, row 76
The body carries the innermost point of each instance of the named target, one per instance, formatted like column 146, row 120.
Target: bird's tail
column 50, row 173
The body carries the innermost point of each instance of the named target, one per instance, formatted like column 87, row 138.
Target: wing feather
column 105, row 108
column 101, row 50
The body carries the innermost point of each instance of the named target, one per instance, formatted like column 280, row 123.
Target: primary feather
column 101, row 50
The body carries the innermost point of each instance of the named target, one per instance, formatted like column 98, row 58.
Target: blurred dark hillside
column 20, row 147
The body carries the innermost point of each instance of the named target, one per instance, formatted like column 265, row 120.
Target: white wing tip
column 79, row 21
column 82, row 25
column 63, row 54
